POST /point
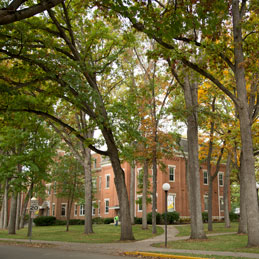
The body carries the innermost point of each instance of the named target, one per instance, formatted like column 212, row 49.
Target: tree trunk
column 12, row 218
column 242, row 227
column 154, row 199
column 191, row 101
column 210, row 201
column 132, row 192
column 25, row 205
column 88, row 192
column 144, row 195
column 245, row 131
column 6, row 204
column 18, row 210
column 226, row 191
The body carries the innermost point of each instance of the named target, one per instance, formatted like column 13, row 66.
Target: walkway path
column 143, row 245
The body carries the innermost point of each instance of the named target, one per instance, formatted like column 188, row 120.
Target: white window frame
column 82, row 210
column 105, row 206
column 221, row 198
column 53, row 209
column 94, row 183
column 221, row 173
column 93, row 208
column 107, row 183
column 75, row 209
column 204, row 197
column 63, row 205
column 138, row 207
column 205, row 171
column 138, row 172
column 174, row 199
column 169, row 167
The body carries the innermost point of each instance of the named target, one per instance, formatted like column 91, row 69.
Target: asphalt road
column 20, row 252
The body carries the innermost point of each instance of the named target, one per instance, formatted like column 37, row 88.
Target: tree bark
column 226, row 191
column 154, row 199
column 191, row 102
column 144, row 195
column 88, row 192
column 25, row 205
column 132, row 192
column 245, row 130
column 12, row 218
column 18, row 211
column 6, row 204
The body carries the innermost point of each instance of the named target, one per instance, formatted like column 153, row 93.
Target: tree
column 199, row 26
column 75, row 72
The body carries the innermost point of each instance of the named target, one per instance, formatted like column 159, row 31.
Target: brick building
column 105, row 201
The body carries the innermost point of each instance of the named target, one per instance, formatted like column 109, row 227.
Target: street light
column 166, row 188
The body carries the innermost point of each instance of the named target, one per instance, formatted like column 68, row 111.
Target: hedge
column 45, row 221
column 172, row 217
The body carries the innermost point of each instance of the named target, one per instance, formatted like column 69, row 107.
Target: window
column 55, row 188
column 100, row 182
column 139, row 203
column 206, row 202
column 171, row 202
column 82, row 210
column 106, row 202
column 171, row 173
column 221, row 181
column 221, row 203
column 205, row 177
column 99, row 207
column 75, row 209
column 107, row 183
column 63, row 209
column 140, row 176
column 94, row 183
column 93, row 208
column 53, row 209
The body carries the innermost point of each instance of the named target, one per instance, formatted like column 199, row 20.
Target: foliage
column 205, row 217
column 158, row 218
column 108, row 220
column 97, row 220
column 233, row 216
column 137, row 220
column 172, row 217
column 45, row 221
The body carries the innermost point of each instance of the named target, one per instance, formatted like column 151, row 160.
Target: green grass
column 102, row 234
column 231, row 243
column 185, row 230
column 202, row 255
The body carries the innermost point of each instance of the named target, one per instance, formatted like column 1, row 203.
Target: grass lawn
column 232, row 243
column 102, row 233
column 185, row 230
column 204, row 256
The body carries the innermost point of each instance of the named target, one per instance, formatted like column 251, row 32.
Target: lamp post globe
column 166, row 187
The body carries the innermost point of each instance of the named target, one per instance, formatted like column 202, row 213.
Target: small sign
column 34, row 205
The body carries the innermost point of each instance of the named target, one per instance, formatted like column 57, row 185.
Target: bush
column 60, row 222
column 76, row 222
column 108, row 220
column 205, row 217
column 233, row 216
column 172, row 217
column 137, row 220
column 185, row 220
column 97, row 220
column 158, row 218
column 45, row 221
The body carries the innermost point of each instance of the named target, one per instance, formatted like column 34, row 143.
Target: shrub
column 172, row 217
column 60, row 222
column 158, row 218
column 108, row 220
column 137, row 220
column 185, row 220
column 76, row 222
column 205, row 217
column 45, row 221
column 233, row 216
column 97, row 220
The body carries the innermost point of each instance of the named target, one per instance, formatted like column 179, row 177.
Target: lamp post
column 166, row 188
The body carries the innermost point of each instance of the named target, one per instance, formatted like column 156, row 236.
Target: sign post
column 34, row 206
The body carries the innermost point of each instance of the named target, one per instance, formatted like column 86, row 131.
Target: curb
column 163, row 255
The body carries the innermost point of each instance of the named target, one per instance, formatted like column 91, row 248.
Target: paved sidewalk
column 143, row 245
